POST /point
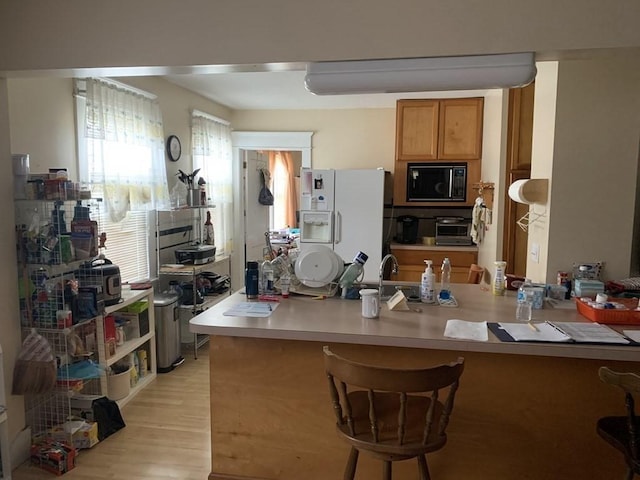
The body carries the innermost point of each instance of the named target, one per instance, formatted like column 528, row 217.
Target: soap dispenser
column 427, row 286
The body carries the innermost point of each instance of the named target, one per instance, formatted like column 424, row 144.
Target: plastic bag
column 265, row 197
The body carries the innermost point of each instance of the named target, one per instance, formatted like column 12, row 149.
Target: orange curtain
column 285, row 204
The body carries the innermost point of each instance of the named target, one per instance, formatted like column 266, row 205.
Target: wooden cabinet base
column 515, row 415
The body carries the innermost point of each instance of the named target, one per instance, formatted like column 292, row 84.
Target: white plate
column 317, row 266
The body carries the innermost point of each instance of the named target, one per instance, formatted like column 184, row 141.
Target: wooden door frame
column 512, row 174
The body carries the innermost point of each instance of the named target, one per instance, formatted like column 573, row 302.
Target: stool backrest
column 476, row 273
column 630, row 385
column 345, row 376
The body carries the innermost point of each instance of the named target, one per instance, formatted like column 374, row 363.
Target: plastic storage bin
column 631, row 316
column 119, row 385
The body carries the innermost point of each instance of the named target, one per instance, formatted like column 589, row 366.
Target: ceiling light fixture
column 421, row 74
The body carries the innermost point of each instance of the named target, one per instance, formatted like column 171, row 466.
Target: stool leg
column 423, row 469
column 350, row 469
column 386, row 470
column 630, row 474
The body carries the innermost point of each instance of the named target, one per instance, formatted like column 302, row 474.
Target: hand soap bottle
column 427, row 286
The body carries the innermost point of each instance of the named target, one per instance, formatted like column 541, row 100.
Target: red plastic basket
column 612, row 316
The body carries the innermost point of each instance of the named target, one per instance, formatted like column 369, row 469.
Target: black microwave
column 437, row 182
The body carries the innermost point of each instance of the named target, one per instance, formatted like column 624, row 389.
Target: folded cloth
column 631, row 284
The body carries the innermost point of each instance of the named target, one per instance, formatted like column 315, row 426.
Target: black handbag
column 107, row 414
column 265, row 197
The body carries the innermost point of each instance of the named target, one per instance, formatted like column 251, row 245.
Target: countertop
column 421, row 246
column 335, row 320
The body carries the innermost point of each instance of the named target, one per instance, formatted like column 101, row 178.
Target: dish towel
column 477, row 221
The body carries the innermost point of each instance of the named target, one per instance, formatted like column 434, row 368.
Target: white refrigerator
column 343, row 209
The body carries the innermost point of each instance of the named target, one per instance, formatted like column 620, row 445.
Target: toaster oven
column 453, row 231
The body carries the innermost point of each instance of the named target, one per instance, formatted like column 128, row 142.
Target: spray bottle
column 427, row 286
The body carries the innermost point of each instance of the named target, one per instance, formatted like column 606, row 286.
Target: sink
column 411, row 290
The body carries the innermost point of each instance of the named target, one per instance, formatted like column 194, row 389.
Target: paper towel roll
column 516, row 192
column 529, row 190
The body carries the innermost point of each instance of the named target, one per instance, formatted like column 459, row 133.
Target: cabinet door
column 417, row 129
column 460, row 132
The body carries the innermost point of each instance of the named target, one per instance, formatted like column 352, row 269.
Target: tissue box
column 587, row 288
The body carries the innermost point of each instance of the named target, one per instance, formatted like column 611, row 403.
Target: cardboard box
column 82, row 434
column 82, row 405
column 54, row 457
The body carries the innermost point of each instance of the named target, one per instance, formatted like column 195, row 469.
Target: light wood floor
column 166, row 437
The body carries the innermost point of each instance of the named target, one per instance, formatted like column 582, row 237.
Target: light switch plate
column 535, row 252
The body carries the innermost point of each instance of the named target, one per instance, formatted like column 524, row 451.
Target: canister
column 537, row 295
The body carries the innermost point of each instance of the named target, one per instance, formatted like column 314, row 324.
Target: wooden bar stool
column 476, row 273
column 623, row 432
column 392, row 414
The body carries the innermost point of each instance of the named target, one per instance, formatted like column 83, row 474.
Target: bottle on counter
column 251, row 275
column 445, row 280
column 208, row 230
column 427, row 286
column 352, row 272
column 285, row 282
column 267, row 277
column 524, row 302
column 499, row 278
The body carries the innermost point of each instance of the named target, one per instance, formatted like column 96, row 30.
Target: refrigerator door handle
column 337, row 235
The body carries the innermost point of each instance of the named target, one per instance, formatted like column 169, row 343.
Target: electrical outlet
column 535, row 253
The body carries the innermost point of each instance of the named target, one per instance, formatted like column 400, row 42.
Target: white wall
column 493, row 171
column 40, row 34
column 592, row 159
column 544, row 118
column 10, row 320
column 42, row 122
column 362, row 138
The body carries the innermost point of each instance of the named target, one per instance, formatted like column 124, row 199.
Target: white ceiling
column 284, row 90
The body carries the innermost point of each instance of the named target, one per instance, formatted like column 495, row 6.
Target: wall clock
column 174, row 149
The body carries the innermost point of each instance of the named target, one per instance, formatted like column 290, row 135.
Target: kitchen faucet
column 394, row 270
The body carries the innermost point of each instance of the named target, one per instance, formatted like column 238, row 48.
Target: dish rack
column 629, row 316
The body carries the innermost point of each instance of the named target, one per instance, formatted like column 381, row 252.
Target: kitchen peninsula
column 524, row 410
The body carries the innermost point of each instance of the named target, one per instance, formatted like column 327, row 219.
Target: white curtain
column 211, row 143
column 125, row 149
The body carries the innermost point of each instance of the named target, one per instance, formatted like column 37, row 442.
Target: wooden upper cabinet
column 417, row 129
column 442, row 130
column 460, row 129
column 448, row 129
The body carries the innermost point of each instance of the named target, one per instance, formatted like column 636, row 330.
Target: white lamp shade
column 421, row 74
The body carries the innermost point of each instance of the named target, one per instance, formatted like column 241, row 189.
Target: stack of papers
column 465, row 330
column 580, row 332
column 252, row 309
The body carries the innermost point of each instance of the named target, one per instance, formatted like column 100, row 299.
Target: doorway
column 253, row 219
column 261, row 218
column 519, row 145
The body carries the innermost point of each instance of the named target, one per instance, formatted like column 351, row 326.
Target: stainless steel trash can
column 167, row 332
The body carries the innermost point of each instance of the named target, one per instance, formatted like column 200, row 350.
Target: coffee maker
column 407, row 229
